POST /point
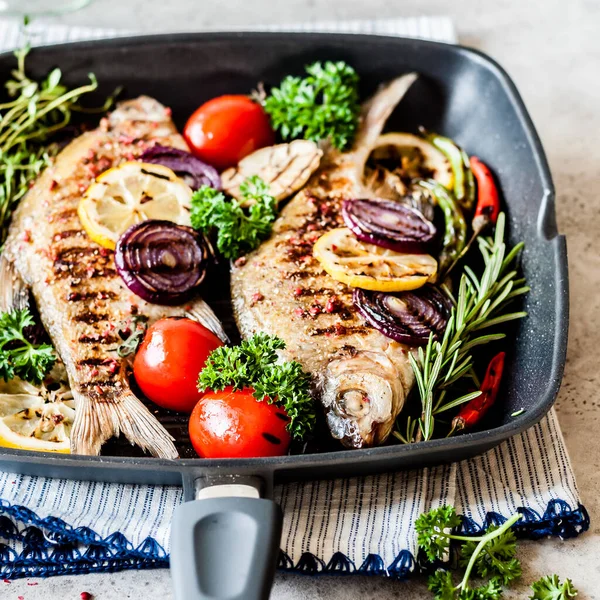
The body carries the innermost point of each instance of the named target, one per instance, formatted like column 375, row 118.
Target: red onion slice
column 191, row 169
column 162, row 262
column 389, row 225
column 407, row 317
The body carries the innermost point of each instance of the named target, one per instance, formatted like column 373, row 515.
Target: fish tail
column 204, row 314
column 96, row 422
column 14, row 293
column 376, row 112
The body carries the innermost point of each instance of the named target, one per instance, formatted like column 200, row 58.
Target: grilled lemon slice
column 36, row 418
column 362, row 265
column 129, row 194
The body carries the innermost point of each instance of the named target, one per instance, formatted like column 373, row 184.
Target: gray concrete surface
column 552, row 50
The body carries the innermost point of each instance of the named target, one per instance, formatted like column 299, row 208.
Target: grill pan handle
column 225, row 544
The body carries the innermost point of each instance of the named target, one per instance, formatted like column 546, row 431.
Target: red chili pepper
column 474, row 411
column 488, row 200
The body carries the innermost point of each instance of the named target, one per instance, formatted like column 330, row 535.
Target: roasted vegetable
column 192, row 170
column 162, row 262
column 388, row 224
column 455, row 235
column 285, row 168
column 409, row 317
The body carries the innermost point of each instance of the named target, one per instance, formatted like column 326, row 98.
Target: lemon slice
column 362, row 265
column 129, row 194
column 36, row 418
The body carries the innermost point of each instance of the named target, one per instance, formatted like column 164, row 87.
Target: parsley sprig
column 255, row 364
column 491, row 557
column 239, row 230
column 18, row 356
column 34, row 113
column 324, row 105
column 551, row 588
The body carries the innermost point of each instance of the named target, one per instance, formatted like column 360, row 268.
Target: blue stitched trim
column 53, row 547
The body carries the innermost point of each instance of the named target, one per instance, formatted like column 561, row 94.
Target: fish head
column 362, row 395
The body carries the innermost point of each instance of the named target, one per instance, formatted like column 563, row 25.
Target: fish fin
column 96, row 422
column 14, row 293
column 204, row 314
column 375, row 113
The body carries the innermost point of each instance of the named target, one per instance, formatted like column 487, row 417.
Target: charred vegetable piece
column 409, row 317
column 192, row 170
column 455, row 236
column 388, row 224
column 285, row 168
column 488, row 206
column 363, row 265
column 460, row 167
column 414, row 157
column 472, row 412
column 488, row 200
column 162, row 262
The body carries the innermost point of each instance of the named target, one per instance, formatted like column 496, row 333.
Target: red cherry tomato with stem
column 227, row 128
column 169, row 359
column 234, row 424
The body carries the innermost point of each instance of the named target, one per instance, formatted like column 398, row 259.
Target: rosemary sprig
column 34, row 112
column 479, row 305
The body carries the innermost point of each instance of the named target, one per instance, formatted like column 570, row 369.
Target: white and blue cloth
column 359, row 525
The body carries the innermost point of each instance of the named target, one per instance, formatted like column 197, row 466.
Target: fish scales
column 360, row 376
column 83, row 303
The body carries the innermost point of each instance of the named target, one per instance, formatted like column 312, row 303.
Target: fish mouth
column 362, row 396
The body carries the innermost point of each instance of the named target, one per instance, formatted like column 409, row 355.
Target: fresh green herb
column 27, row 122
column 322, row 106
column 551, row 588
column 239, row 230
column 18, row 356
column 496, row 559
column 255, row 364
column 134, row 332
column 480, row 304
column 490, row 555
column 518, row 413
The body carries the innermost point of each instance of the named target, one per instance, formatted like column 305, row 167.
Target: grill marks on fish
column 360, row 377
column 79, row 295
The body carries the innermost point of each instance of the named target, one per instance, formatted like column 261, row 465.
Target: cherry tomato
column 169, row 359
column 227, row 128
column 232, row 424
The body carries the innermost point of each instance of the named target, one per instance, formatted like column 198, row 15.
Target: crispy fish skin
column 81, row 299
column 360, row 376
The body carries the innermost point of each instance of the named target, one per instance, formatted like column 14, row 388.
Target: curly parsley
column 322, row 106
column 239, row 230
column 551, row 588
column 18, row 356
column 490, row 556
column 255, row 364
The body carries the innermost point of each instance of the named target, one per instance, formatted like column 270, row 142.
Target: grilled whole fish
column 361, row 376
column 81, row 299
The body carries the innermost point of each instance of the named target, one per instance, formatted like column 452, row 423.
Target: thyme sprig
column 480, row 304
column 34, row 113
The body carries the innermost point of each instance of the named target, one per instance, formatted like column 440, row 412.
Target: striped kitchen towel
column 359, row 525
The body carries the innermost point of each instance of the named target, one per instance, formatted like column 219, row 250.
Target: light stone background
column 551, row 48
